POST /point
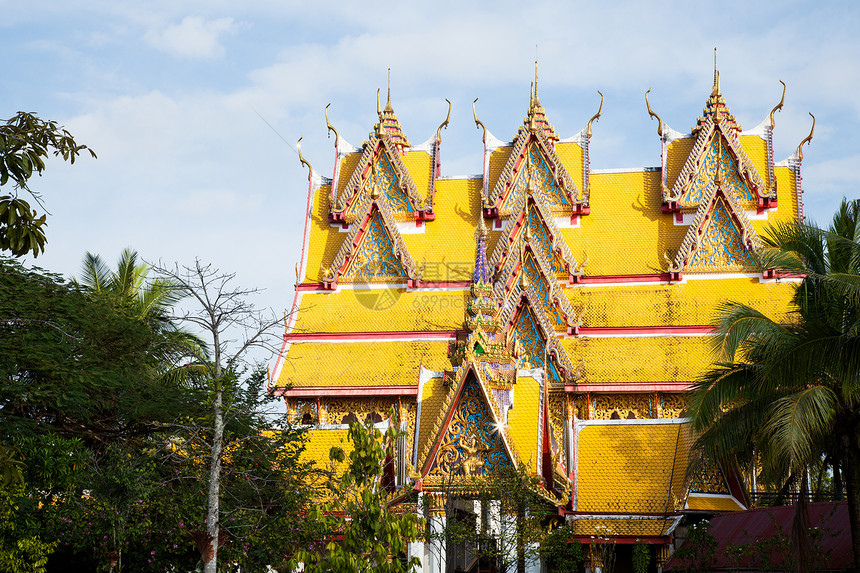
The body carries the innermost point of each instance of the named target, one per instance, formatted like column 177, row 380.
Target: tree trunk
column 214, row 498
column 837, row 479
column 849, row 474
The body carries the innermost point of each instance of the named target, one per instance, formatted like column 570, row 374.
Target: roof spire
column 716, row 91
column 388, row 106
column 536, row 100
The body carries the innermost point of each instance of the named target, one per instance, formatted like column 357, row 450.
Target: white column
column 436, row 552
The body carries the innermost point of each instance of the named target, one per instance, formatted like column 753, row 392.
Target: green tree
column 790, row 393
column 25, row 142
column 373, row 538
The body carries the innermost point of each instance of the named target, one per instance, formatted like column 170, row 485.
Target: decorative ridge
column 449, row 403
column 373, row 147
column 516, row 163
column 691, row 239
column 512, row 234
column 716, row 110
column 364, row 213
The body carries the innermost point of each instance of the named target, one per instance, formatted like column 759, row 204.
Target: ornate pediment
column 531, row 268
column 380, row 171
column 716, row 146
column 536, row 226
column 720, row 238
column 374, row 250
column 536, row 341
column 534, row 167
column 470, row 436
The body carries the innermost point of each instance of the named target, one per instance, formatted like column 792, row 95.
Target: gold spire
column 536, row 101
column 388, row 103
column 716, row 91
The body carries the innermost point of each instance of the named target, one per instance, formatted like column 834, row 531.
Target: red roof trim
column 314, row 391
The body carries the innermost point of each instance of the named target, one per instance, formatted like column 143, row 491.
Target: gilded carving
column 558, row 421
column 338, row 409
column 472, row 442
column 721, row 245
column 623, row 406
column 299, row 409
column 673, row 405
column 708, row 479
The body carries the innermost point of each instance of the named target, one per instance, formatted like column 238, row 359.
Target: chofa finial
column 778, row 106
column 595, row 117
column 479, row 123
column 304, row 161
column 331, row 128
column 443, row 124
column 807, row 139
column 653, row 115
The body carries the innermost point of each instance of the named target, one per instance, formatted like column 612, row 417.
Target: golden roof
column 628, row 468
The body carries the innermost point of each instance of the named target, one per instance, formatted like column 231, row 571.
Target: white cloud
column 193, row 38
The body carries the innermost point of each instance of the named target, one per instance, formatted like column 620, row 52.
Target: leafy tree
column 790, row 393
column 362, row 534
column 562, row 551
column 509, row 494
column 25, row 142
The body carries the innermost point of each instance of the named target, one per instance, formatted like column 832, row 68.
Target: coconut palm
column 790, row 393
column 150, row 300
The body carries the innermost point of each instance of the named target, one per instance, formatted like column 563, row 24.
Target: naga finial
column 778, row 106
column 443, row 124
column 479, row 122
column 331, row 128
column 378, row 105
column 807, row 139
column 303, row 160
column 653, row 115
column 595, row 117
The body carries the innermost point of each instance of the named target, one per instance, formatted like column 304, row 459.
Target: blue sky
column 170, row 95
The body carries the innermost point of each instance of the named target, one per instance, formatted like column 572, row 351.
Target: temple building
column 540, row 315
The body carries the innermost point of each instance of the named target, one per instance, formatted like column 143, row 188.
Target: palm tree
column 152, row 302
column 790, row 393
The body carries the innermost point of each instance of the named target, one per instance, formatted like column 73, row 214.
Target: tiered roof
column 564, row 309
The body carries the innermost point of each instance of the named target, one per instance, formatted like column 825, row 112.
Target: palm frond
column 800, row 420
column 95, row 275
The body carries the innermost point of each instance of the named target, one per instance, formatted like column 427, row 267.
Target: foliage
column 25, row 142
column 699, row 551
column 77, row 365
column 561, row 551
column 362, row 535
column 19, row 553
column 790, row 393
column 641, row 557
column 506, row 496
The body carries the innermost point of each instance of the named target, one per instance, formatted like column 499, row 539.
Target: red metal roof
column 746, row 528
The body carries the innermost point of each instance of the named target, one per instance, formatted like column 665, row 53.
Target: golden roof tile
column 365, row 363
column 628, row 468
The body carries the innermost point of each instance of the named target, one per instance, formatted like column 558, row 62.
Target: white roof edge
column 452, row 177
column 627, row 170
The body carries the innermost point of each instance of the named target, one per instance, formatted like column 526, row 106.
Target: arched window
column 349, row 419
column 307, row 419
column 373, row 418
